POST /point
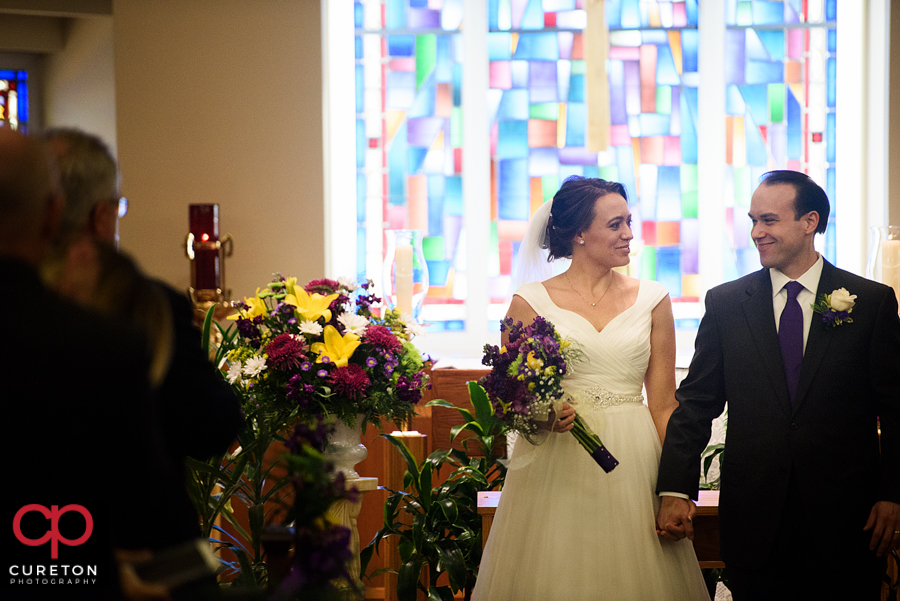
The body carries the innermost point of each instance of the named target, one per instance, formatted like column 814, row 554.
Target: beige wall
column 79, row 82
column 894, row 117
column 220, row 101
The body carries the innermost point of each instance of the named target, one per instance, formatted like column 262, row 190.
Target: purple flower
column 371, row 361
column 306, row 366
column 322, row 373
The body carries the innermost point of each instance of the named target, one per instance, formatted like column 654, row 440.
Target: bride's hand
column 564, row 423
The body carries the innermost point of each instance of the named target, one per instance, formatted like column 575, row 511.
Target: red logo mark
column 53, row 535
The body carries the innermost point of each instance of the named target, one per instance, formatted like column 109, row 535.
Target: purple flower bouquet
column 525, row 383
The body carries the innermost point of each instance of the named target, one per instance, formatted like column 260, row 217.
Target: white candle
column 403, row 258
column 890, row 265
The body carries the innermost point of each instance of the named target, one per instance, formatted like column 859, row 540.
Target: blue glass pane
column 773, row 42
column 361, row 143
column 358, row 15
column 401, row 89
column 829, row 138
column 437, row 273
column 397, row 168
column 654, row 124
column 358, row 47
column 361, row 197
column 542, row 81
column 747, row 260
column 767, row 13
column 688, row 131
column 631, row 14
column 668, row 193
column 395, row 14
column 453, row 204
column 757, row 100
column 692, row 12
column 23, row 75
column 832, row 82
column 360, row 254
column 360, row 89
column 756, row 148
column 499, row 45
column 513, row 194
column 734, row 102
column 830, row 10
column 23, row 101
column 576, row 89
column 425, row 98
column 794, row 128
column 832, row 40
column 668, row 269
column 666, row 73
column 457, row 84
column 543, row 161
column 829, row 189
column 416, row 156
column 764, row 72
column 576, row 118
column 614, row 14
column 444, row 60
column 534, row 16
column 493, row 13
column 755, row 50
column 513, row 105
column 401, row 45
column 435, row 205
column 537, row 46
column 519, row 71
column 7, row 74
column 418, row 3
column 512, row 139
column 689, row 45
column 625, row 165
column 734, row 56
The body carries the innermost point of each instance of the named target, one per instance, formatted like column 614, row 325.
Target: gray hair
column 88, row 174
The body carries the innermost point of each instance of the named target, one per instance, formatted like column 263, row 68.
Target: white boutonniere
column 835, row 308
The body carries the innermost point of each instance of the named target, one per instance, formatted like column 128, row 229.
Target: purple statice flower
column 298, row 391
column 408, row 389
column 315, row 436
column 322, row 373
column 247, row 329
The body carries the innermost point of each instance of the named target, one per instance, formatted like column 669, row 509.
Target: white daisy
column 254, row 366
column 310, row 327
column 412, row 326
column 348, row 283
column 353, row 323
column 234, row 372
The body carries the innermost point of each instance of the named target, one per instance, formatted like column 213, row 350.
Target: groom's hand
column 674, row 520
column 884, row 522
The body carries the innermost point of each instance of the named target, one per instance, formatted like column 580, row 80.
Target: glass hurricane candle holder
column 405, row 273
column 883, row 264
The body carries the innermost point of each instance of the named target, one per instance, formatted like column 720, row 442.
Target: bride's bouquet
column 525, row 383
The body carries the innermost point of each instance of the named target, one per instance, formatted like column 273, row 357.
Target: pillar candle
column 204, row 224
column 890, row 265
column 403, row 259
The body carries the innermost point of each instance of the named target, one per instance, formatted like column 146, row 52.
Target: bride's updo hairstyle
column 573, row 211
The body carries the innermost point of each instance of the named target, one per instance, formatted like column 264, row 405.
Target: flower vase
column 344, row 448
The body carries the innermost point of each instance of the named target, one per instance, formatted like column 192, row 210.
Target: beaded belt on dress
column 600, row 398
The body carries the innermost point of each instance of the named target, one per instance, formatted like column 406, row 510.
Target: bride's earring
column 581, row 242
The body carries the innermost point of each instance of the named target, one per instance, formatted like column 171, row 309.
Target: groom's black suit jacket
column 826, row 442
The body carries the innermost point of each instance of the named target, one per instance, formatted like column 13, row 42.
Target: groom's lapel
column 761, row 319
column 819, row 337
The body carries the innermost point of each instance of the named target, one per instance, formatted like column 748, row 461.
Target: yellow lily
column 338, row 348
column 255, row 306
column 289, row 285
column 310, row 306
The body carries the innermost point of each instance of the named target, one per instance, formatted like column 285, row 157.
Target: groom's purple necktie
column 790, row 336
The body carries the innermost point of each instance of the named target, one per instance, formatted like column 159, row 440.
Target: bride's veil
column 531, row 261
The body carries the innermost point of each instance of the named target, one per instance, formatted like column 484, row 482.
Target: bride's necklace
column 593, row 304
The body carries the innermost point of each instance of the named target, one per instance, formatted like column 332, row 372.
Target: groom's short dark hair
column 809, row 196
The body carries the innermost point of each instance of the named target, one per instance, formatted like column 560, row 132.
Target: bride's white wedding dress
column 564, row 529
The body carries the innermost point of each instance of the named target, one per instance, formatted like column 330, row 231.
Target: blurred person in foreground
column 199, row 413
column 75, row 445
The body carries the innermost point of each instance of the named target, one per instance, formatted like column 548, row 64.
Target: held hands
column 564, row 423
column 884, row 522
column 674, row 521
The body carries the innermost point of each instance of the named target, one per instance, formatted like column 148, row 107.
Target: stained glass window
column 409, row 139
column 537, row 108
column 14, row 99
column 780, row 100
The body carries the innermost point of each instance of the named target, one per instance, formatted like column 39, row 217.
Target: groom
column 809, row 502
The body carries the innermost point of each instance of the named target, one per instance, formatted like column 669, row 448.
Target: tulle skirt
column 566, row 530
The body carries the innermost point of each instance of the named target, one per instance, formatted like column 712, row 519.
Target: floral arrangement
column 525, row 383
column 322, row 349
column 321, row 548
column 835, row 308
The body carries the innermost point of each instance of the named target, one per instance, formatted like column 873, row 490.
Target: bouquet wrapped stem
column 593, row 445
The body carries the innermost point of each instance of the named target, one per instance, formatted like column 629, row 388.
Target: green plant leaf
column 411, row 465
column 207, row 326
column 439, row 593
column 480, row 401
column 408, row 579
column 454, row 564
column 448, row 507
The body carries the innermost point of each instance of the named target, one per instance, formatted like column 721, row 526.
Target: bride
column 564, row 529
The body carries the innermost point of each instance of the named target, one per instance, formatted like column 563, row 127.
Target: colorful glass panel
column 780, row 107
column 409, row 140
column 14, row 99
column 538, row 127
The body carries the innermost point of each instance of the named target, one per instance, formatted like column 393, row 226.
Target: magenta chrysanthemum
column 323, row 286
column 285, row 352
column 350, row 381
column 382, row 337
